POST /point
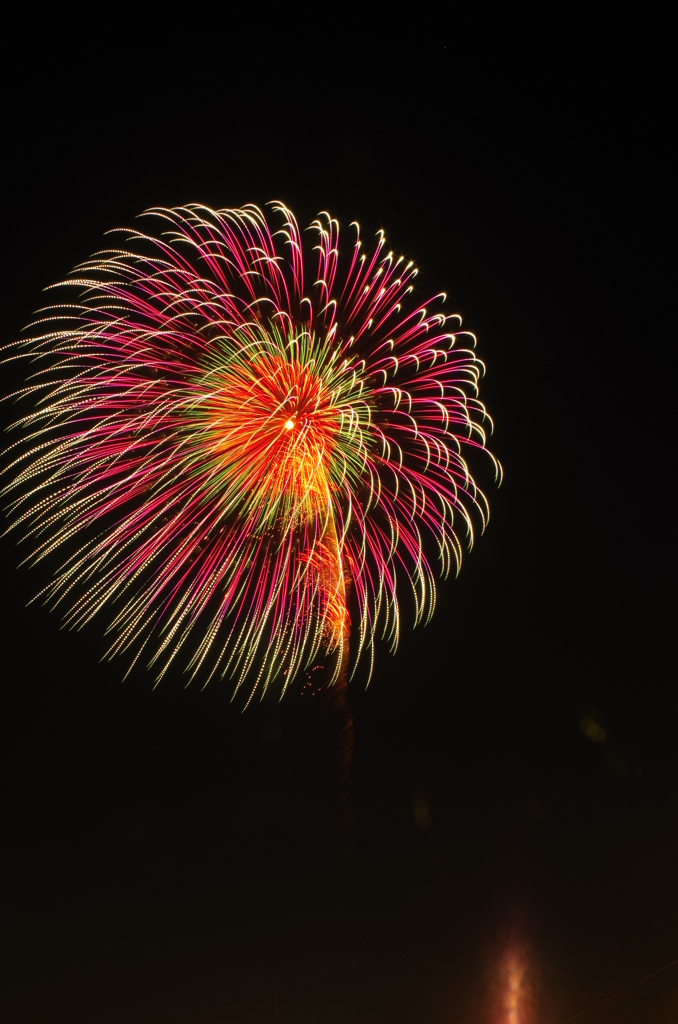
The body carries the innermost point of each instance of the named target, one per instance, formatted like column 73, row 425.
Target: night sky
column 515, row 777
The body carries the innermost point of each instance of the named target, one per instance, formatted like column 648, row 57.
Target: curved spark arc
column 220, row 458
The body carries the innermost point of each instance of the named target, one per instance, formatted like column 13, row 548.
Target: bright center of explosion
column 284, row 475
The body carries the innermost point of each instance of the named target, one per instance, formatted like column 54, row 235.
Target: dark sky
column 165, row 857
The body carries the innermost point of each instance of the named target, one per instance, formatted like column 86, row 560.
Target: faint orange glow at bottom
column 514, row 988
column 515, row 993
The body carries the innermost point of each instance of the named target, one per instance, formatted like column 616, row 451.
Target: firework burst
column 220, row 452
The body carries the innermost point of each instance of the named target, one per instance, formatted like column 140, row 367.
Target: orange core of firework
column 274, row 426
column 274, row 429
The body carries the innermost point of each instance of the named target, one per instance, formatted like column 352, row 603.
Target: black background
column 165, row 857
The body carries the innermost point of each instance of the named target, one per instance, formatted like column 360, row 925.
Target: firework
column 227, row 455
